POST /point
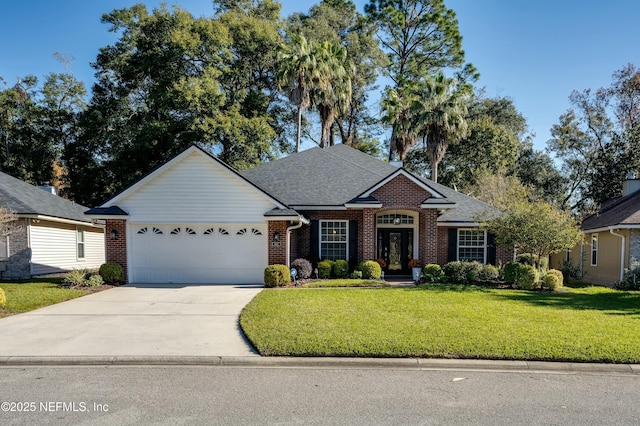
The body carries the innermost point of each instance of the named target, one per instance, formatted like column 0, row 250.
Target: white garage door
column 216, row 254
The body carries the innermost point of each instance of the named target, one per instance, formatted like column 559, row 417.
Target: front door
column 395, row 246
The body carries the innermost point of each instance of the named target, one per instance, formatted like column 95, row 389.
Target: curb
column 418, row 364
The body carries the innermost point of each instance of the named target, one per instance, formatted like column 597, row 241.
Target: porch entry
column 395, row 246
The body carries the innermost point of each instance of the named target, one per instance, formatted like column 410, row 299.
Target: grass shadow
column 614, row 303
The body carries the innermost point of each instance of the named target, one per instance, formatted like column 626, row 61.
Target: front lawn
column 585, row 324
column 33, row 294
column 345, row 283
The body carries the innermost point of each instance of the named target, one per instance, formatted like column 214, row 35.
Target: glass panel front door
column 395, row 246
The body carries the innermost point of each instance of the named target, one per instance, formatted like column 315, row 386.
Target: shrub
column 3, row 298
column 370, row 270
column 551, row 281
column 75, row 278
column 111, row 273
column 510, row 272
column 489, row 273
column 455, row 272
column 303, row 266
column 557, row 274
column 341, row 268
column 631, row 278
column 356, row 275
column 276, row 276
column 527, row 277
column 472, row 271
column 432, row 273
column 94, row 281
column 527, row 259
column 324, row 269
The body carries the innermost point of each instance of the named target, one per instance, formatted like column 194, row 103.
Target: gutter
column 622, row 250
column 301, row 221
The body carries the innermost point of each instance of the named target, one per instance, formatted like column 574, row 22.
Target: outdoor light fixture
column 276, row 237
column 114, row 234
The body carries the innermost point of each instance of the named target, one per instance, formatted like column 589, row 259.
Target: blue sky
column 534, row 52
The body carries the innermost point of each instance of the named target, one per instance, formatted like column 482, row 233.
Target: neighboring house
column 51, row 235
column 612, row 239
column 196, row 220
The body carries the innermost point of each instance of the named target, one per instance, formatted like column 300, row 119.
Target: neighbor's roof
column 26, row 199
column 339, row 174
column 618, row 211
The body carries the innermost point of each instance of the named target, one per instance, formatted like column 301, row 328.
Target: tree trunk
column 299, row 127
column 434, row 170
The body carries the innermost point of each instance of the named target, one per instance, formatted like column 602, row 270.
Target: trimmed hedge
column 527, row 278
column 324, row 269
column 276, row 276
column 510, row 272
column 551, row 282
column 341, row 268
column 489, row 273
column 557, row 274
column 111, row 273
column 432, row 273
column 3, row 298
column 370, row 270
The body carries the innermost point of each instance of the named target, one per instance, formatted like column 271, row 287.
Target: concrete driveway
column 135, row 320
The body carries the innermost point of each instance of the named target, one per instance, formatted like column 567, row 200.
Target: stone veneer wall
column 18, row 265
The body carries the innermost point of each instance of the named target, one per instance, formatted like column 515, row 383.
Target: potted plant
column 382, row 262
column 416, row 269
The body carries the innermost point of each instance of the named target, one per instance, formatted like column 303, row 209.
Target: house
column 51, row 234
column 612, row 239
column 196, row 220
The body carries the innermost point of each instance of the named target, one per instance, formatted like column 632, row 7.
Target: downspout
column 622, row 251
column 301, row 221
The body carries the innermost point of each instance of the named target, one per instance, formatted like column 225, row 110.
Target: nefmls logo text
column 72, row 407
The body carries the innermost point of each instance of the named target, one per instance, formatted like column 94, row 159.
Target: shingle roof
column 23, row 198
column 339, row 174
column 618, row 211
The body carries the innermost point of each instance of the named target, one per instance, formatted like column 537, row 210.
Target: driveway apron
column 135, row 320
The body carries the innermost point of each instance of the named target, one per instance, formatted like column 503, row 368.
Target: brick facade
column 278, row 250
column 117, row 248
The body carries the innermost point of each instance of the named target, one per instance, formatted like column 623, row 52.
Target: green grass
column 27, row 295
column 345, row 283
column 586, row 324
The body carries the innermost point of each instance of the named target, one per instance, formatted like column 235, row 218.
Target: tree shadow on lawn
column 618, row 303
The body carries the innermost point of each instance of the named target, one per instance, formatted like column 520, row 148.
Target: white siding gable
column 194, row 189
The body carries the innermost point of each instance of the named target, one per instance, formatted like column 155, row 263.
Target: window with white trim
column 334, row 237
column 80, row 243
column 594, row 249
column 472, row 245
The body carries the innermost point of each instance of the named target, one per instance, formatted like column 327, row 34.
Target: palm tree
column 298, row 71
column 397, row 111
column 441, row 116
column 332, row 92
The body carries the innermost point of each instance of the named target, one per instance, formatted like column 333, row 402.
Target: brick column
column 368, row 234
column 429, row 236
column 278, row 251
column 116, row 250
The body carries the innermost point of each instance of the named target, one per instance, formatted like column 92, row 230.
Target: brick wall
column 303, row 235
column 116, row 250
column 504, row 254
column 278, row 253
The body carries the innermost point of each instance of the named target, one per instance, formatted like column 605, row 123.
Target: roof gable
column 160, row 177
column 402, row 172
column 26, row 199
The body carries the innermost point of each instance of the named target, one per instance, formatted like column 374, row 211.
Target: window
column 80, row 243
column 472, row 245
column 594, row 250
column 395, row 219
column 333, row 239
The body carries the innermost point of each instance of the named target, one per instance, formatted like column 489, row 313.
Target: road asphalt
column 175, row 324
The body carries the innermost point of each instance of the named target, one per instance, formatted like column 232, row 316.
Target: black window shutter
column 314, row 254
column 491, row 249
column 353, row 243
column 453, row 244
